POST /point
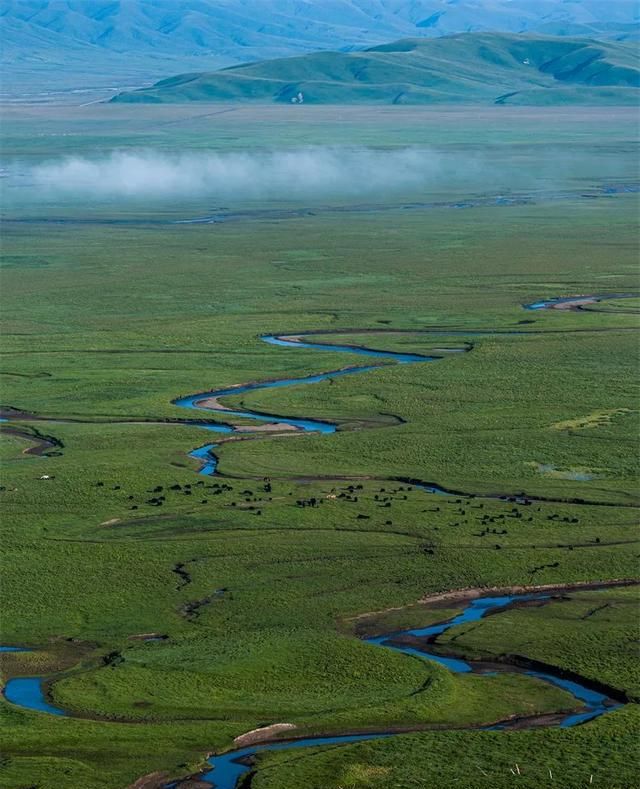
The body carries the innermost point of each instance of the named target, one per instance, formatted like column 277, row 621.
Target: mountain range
column 79, row 43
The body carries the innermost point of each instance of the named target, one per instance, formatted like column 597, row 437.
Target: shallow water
column 402, row 358
column 314, row 425
column 472, row 613
column 209, row 460
column 205, row 453
column 27, row 692
column 594, row 701
column 574, row 475
column 550, row 303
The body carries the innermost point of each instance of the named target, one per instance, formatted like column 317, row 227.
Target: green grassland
column 12, row 446
column 256, row 593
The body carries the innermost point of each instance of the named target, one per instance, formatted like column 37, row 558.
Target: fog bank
column 303, row 173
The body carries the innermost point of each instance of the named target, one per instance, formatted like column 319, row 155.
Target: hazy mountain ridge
column 471, row 67
column 100, row 40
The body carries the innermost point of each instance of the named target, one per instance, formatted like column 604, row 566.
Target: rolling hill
column 471, row 67
column 110, row 42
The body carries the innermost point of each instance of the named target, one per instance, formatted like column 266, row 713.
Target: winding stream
column 208, row 401
column 276, row 424
column 228, row 767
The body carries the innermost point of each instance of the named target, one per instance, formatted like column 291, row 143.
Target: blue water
column 402, row 358
column 548, row 303
column 472, row 613
column 594, row 701
column 314, row 425
column 205, row 453
column 545, row 305
column 27, row 692
column 209, row 460
column 215, row 428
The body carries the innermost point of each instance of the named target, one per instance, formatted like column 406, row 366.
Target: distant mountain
column 97, row 42
column 471, row 67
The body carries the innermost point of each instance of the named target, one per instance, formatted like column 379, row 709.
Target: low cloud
column 304, row 173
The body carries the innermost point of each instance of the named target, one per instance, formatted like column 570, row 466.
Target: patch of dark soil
column 183, row 575
column 45, row 446
column 191, row 609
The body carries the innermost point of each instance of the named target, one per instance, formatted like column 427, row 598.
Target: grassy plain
column 108, row 322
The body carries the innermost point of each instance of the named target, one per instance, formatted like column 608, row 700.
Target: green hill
column 470, row 67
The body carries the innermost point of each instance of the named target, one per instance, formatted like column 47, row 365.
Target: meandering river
column 226, row 768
